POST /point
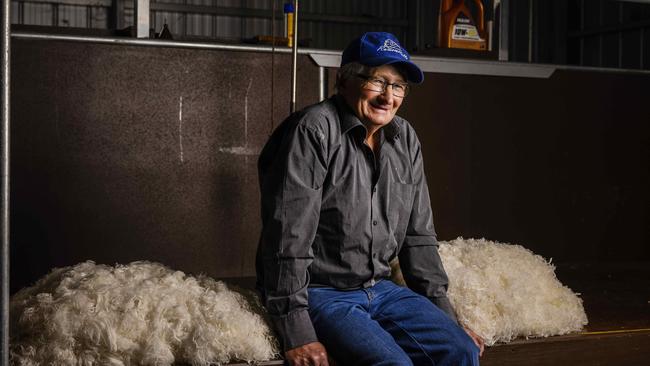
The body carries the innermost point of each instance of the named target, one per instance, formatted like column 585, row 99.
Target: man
column 344, row 193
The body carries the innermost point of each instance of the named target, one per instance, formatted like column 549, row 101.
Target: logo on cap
column 392, row 46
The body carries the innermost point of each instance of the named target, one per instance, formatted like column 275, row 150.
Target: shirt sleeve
column 291, row 199
column 419, row 258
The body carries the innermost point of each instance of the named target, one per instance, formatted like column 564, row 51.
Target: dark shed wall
column 559, row 165
column 125, row 153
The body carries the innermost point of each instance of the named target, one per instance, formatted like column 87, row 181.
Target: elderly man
column 343, row 194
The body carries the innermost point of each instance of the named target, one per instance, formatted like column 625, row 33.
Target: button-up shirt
column 335, row 214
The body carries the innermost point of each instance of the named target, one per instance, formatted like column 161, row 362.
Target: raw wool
column 504, row 291
column 138, row 314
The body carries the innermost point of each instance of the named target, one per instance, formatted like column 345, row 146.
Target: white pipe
column 4, row 266
column 295, row 57
column 322, row 84
column 166, row 43
column 141, row 18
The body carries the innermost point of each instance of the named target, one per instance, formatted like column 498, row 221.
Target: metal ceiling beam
column 479, row 67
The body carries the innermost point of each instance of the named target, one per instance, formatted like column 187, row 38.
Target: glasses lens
column 375, row 85
column 400, row 90
column 378, row 85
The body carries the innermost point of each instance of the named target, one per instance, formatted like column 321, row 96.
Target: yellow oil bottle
column 458, row 28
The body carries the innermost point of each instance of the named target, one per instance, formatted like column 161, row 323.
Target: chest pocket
column 400, row 193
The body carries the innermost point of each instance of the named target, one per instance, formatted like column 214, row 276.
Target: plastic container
column 458, row 28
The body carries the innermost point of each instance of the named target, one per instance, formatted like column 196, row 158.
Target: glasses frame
column 371, row 81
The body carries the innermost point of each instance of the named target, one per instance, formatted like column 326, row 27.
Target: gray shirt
column 335, row 214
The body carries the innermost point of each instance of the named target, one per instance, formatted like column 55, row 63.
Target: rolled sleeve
column 291, row 198
column 295, row 329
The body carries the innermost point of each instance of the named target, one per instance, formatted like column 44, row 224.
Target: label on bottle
column 465, row 32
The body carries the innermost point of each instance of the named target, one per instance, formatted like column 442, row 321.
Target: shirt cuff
column 294, row 329
column 443, row 304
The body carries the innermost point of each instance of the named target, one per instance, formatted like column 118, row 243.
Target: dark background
column 559, row 165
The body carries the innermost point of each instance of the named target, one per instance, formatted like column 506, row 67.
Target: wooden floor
column 631, row 347
column 617, row 302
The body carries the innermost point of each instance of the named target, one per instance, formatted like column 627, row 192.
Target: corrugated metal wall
column 603, row 33
column 335, row 36
column 608, row 33
column 92, row 15
column 342, row 18
column 320, row 34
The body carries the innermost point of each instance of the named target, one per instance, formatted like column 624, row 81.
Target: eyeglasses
column 400, row 90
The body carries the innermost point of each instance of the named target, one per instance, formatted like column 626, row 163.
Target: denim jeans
column 387, row 325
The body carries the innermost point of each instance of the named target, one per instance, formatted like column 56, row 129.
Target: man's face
column 374, row 108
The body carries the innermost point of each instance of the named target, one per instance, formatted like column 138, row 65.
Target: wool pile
column 147, row 314
column 138, row 314
column 503, row 291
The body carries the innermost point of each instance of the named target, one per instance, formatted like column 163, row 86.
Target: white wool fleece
column 146, row 314
column 138, row 314
column 504, row 291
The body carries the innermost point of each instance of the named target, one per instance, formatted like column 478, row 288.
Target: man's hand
column 477, row 340
column 310, row 354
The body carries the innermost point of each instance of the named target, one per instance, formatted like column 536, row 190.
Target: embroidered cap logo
column 392, row 46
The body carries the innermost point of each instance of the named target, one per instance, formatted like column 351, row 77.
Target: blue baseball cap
column 380, row 48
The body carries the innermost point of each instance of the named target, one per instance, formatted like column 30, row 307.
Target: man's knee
column 464, row 352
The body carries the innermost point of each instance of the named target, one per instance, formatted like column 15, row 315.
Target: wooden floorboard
column 616, row 296
column 263, row 363
column 619, row 348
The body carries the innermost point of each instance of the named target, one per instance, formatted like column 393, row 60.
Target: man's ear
column 340, row 85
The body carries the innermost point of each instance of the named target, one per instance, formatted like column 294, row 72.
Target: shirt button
column 374, row 255
column 374, row 222
column 374, row 189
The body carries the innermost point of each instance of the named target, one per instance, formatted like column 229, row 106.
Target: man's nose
column 387, row 94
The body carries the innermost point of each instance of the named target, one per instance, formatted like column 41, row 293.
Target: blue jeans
column 387, row 325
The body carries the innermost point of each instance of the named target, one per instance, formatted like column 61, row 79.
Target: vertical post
column 272, row 62
column 601, row 21
column 413, row 10
column 322, row 84
column 294, row 61
column 582, row 28
column 560, row 32
column 504, row 29
column 620, row 37
column 531, row 22
column 116, row 17
column 641, row 45
column 4, row 267
column 141, row 18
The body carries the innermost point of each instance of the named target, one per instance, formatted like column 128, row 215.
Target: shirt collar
column 349, row 120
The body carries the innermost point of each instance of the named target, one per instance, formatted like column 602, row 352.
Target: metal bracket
column 459, row 66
